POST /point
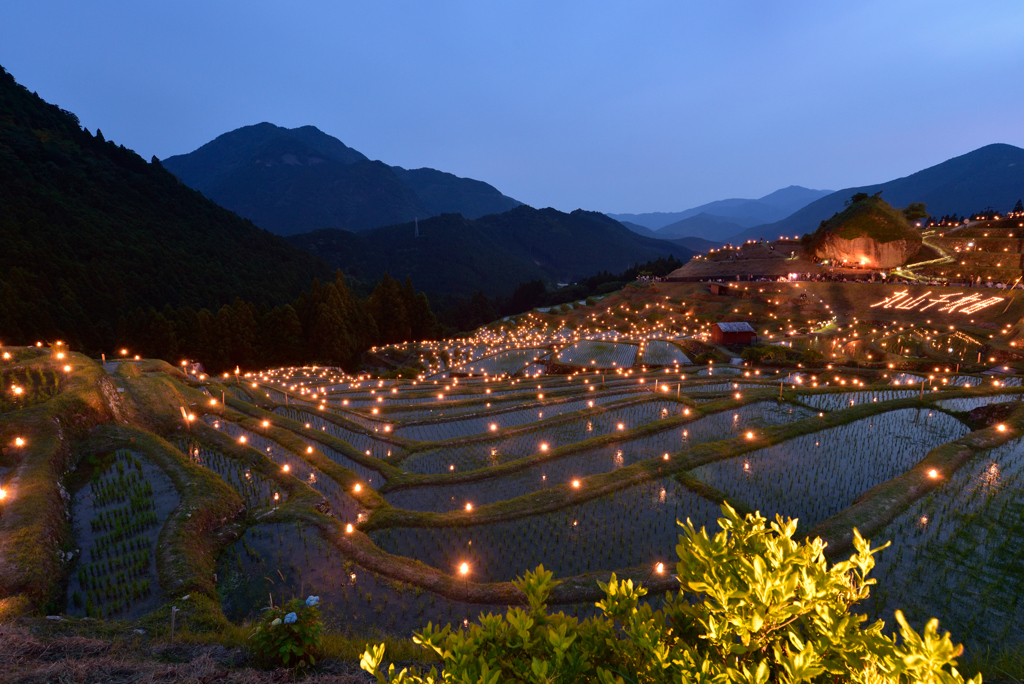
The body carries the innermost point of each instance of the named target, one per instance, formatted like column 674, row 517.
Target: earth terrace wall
column 34, row 529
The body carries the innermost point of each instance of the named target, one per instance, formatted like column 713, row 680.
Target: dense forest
column 327, row 325
column 463, row 314
column 89, row 231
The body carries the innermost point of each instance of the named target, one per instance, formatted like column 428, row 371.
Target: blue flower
column 313, row 601
column 290, row 618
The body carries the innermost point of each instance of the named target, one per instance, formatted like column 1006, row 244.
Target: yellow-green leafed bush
column 755, row 606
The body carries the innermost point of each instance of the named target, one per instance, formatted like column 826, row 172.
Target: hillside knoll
column 869, row 233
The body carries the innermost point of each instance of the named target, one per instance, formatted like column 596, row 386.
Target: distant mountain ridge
column 992, row 175
column 454, row 255
column 744, row 212
column 703, row 225
column 291, row 181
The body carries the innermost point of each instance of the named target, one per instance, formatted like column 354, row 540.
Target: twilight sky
column 626, row 106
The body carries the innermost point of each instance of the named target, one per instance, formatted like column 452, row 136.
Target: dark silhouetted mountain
column 991, row 176
column 288, row 188
column 745, row 212
column 90, row 231
column 699, row 245
column 297, row 180
column 444, row 193
column 705, row 226
column 494, row 253
column 638, row 229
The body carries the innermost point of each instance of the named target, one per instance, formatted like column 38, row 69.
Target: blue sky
column 612, row 106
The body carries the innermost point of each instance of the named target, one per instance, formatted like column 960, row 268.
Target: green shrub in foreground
column 289, row 635
column 755, row 606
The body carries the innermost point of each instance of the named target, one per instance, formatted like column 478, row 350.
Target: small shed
column 733, row 333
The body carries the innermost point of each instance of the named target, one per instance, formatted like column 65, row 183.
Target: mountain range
column 717, row 220
column 297, row 180
column 451, row 254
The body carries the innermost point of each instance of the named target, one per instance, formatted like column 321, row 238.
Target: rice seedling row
column 968, row 403
column 662, row 353
column 357, row 440
column 288, row 560
column 833, row 401
column 594, row 354
column 956, row 553
column 445, row 430
column 815, row 476
column 22, row 387
column 630, row 528
column 343, row 505
column 485, row 454
column 256, row 491
column 116, row 518
column 724, row 425
column 505, row 363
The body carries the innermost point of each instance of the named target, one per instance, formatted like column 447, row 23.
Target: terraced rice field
column 595, row 354
column 117, row 516
column 406, row 501
column 592, row 476
column 663, row 353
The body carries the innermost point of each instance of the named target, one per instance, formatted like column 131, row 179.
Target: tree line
column 326, row 325
column 478, row 309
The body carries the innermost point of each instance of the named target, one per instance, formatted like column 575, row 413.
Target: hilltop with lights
column 871, row 240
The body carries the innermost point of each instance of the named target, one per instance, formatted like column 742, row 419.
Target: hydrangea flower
column 290, row 618
column 313, row 601
column 276, row 622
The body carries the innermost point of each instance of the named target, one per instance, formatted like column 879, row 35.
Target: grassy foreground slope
column 89, row 231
